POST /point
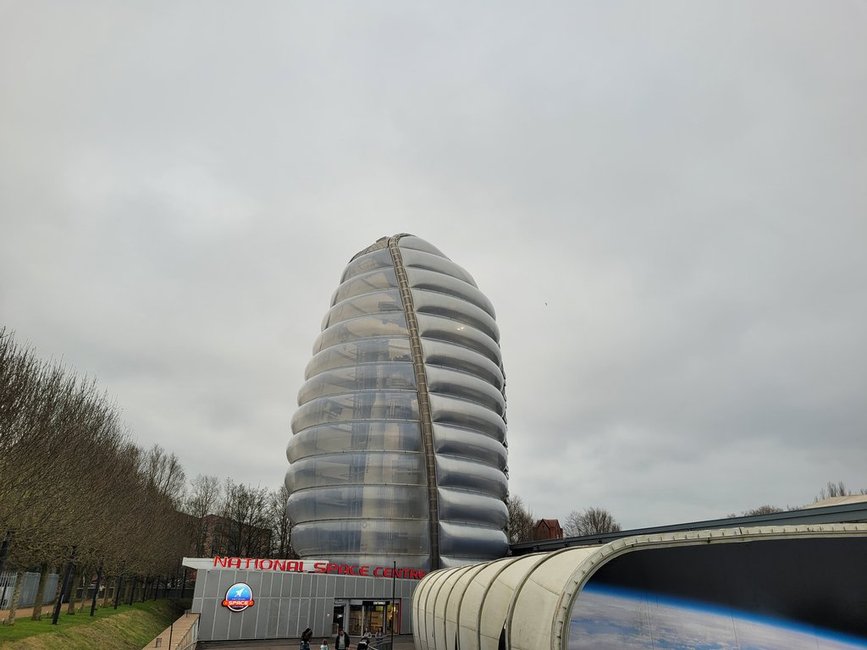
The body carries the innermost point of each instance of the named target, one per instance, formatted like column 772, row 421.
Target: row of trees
column 837, row 489
column 76, row 491
column 597, row 521
column 831, row 490
column 590, row 521
column 237, row 520
column 73, row 485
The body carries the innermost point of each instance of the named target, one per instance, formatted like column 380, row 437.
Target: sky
column 665, row 202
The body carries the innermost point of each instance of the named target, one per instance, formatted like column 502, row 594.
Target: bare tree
column 163, row 472
column 281, row 543
column 520, row 521
column 244, row 520
column 591, row 521
column 832, row 490
column 203, row 500
column 762, row 510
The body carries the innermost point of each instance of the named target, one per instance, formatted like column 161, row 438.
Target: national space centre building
column 397, row 462
column 397, row 485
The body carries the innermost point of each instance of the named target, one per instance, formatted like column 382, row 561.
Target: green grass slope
column 130, row 627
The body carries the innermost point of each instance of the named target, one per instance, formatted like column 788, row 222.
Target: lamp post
column 96, row 589
column 64, row 587
column 4, row 548
column 393, row 572
column 4, row 553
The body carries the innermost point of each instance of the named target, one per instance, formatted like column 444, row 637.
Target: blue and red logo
column 239, row 597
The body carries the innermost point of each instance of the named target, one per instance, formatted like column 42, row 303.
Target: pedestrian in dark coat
column 342, row 640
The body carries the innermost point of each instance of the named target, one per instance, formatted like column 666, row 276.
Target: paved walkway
column 180, row 627
column 402, row 642
column 23, row 613
column 175, row 636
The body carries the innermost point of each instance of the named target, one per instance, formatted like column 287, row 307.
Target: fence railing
column 183, row 634
column 191, row 638
column 29, row 587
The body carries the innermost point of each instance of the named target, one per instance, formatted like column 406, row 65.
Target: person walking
column 342, row 640
column 305, row 639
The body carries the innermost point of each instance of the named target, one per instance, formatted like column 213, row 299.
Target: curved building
column 773, row 587
column 399, row 445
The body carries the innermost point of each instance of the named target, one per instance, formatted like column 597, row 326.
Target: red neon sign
column 316, row 566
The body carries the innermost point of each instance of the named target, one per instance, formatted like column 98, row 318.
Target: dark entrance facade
column 359, row 616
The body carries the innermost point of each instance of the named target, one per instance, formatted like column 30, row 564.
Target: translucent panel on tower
column 358, row 502
column 445, row 329
column 382, row 538
column 445, row 381
column 472, row 508
column 419, row 244
column 358, row 406
column 356, row 468
column 468, row 475
column 385, row 376
column 451, row 441
column 359, row 352
column 450, row 355
column 367, row 283
column 443, row 265
column 427, row 280
column 471, row 541
column 366, row 263
column 390, row 324
column 372, row 435
column 467, row 415
column 367, row 303
column 429, row 302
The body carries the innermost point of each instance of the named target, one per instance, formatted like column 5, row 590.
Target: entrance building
column 359, row 616
column 255, row 598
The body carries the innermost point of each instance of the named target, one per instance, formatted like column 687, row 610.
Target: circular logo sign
column 239, row 597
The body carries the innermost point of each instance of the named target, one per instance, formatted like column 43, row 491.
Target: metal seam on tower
column 425, row 419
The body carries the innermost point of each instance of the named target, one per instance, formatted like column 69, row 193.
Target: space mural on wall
column 770, row 595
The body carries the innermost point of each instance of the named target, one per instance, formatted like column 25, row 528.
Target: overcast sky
column 665, row 201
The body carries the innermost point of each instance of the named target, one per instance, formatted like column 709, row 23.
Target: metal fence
column 29, row 585
column 183, row 634
column 191, row 638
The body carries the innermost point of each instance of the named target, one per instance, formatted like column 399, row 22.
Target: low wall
column 183, row 634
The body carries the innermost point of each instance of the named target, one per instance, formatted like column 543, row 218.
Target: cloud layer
column 666, row 204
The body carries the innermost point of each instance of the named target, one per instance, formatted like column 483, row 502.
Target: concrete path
column 402, row 642
column 23, row 613
column 176, row 635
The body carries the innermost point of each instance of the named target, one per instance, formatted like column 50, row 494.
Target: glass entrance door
column 339, row 616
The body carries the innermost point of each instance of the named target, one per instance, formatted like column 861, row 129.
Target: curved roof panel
column 528, row 601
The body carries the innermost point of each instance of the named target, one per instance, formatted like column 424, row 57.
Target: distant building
column 224, row 536
column 547, row 529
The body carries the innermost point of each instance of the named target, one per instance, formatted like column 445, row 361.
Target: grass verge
column 129, row 627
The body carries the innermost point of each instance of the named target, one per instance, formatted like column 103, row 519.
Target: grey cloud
column 664, row 202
